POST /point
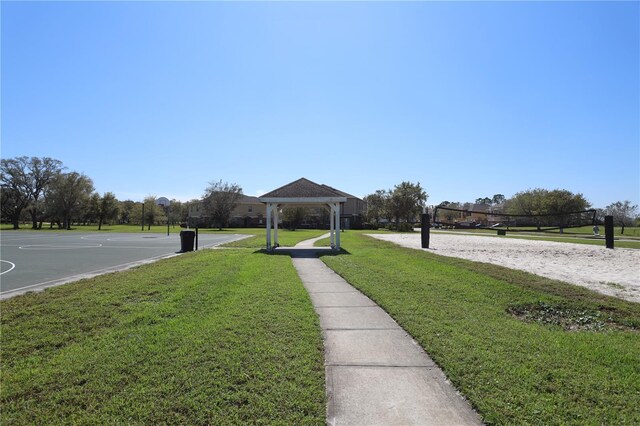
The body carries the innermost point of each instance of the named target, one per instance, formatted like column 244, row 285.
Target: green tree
column 15, row 188
column 25, row 181
column 623, row 212
column 559, row 202
column 540, row 201
column 69, row 197
column 42, row 171
column 485, row 200
column 108, row 209
column 294, row 216
column 220, row 199
column 498, row 199
column 406, row 201
column 449, row 215
column 12, row 204
column 126, row 210
column 377, row 206
column 153, row 213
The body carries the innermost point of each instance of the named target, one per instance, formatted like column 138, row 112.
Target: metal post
column 196, row 238
column 142, row 216
column 608, row 231
column 424, row 230
column 168, row 214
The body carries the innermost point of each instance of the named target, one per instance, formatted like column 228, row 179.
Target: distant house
column 472, row 215
column 351, row 212
column 249, row 213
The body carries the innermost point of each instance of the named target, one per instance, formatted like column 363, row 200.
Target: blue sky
column 469, row 99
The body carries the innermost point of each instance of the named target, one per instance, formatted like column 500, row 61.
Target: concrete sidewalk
column 376, row 373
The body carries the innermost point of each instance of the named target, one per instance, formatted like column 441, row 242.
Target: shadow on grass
column 303, row 252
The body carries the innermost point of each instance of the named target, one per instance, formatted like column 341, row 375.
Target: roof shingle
column 302, row 188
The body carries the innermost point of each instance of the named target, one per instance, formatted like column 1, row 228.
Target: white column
column 338, row 226
column 332, row 225
column 275, row 225
column 268, row 226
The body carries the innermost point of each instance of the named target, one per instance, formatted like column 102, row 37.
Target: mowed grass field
column 213, row 337
column 230, row 337
column 522, row 348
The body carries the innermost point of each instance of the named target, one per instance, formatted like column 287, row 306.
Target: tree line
column 399, row 207
column 403, row 205
column 43, row 190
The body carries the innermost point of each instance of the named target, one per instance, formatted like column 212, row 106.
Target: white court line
column 56, row 247
column 13, row 265
column 53, row 283
column 5, row 238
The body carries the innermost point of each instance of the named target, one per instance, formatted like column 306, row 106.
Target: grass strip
column 514, row 370
column 286, row 238
column 213, row 337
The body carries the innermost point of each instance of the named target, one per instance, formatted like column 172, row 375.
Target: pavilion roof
column 303, row 188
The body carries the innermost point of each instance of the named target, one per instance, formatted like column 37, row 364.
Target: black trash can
column 187, row 239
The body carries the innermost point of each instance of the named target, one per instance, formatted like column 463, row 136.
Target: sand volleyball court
column 612, row 272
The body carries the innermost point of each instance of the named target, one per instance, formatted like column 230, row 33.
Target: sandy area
column 613, row 272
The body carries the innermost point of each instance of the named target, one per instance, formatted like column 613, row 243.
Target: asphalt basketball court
column 35, row 260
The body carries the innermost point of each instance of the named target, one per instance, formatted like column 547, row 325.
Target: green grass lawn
column 213, row 337
column 285, row 237
column 522, row 348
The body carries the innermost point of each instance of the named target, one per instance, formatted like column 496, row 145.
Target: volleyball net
column 474, row 219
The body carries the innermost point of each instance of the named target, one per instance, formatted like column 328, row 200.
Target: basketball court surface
column 32, row 261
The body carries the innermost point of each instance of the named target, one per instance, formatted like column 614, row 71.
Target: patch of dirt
column 568, row 316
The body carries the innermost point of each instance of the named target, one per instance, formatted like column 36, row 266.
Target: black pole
column 142, row 216
column 168, row 214
column 608, row 231
column 424, row 230
column 196, row 238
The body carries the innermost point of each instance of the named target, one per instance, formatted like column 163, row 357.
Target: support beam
column 338, row 227
column 269, row 226
column 332, row 227
column 275, row 226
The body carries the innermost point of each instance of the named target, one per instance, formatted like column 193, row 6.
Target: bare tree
column 623, row 213
column 220, row 199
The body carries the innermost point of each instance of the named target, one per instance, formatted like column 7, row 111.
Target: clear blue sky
column 469, row 99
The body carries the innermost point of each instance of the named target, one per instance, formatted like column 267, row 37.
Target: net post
column 424, row 230
column 608, row 231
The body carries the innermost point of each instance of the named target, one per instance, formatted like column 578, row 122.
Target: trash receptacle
column 502, row 232
column 186, row 240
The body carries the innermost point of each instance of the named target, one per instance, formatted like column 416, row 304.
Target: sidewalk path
column 376, row 373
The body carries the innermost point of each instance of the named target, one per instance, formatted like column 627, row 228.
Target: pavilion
column 303, row 193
